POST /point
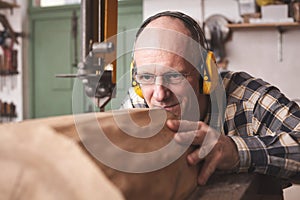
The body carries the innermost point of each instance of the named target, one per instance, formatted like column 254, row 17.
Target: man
column 260, row 131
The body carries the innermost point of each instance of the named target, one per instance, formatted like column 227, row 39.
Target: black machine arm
column 95, row 74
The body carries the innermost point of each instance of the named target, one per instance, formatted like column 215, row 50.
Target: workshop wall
column 252, row 50
column 11, row 88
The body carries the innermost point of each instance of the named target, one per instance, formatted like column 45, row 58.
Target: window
column 47, row 3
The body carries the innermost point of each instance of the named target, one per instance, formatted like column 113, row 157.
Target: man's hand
column 216, row 150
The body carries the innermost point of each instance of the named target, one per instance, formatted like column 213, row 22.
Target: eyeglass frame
column 165, row 80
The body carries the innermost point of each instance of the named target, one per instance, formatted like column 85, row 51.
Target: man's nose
column 161, row 92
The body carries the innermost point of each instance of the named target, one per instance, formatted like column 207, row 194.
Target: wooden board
column 47, row 159
column 37, row 163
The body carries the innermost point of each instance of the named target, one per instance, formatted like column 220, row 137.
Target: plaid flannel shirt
column 262, row 122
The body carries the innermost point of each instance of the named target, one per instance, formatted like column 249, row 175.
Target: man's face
column 164, row 47
column 179, row 98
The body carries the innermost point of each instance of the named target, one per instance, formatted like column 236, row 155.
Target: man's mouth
column 170, row 108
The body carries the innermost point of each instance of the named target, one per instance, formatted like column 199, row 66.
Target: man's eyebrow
column 147, row 73
column 174, row 72
column 166, row 72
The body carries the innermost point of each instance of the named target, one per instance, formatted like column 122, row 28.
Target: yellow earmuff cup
column 134, row 84
column 210, row 78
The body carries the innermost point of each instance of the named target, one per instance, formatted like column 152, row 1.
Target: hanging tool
column 218, row 34
column 9, row 32
column 8, row 37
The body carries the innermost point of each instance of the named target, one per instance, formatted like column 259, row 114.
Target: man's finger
column 185, row 137
column 195, row 137
column 193, row 157
column 182, row 125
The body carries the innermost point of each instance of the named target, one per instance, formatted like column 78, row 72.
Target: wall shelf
column 264, row 25
column 8, row 67
column 281, row 27
column 7, row 5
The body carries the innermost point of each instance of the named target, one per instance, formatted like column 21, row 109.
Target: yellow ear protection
column 208, row 69
column 210, row 74
column 134, row 84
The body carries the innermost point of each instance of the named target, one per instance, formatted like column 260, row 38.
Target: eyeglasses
column 169, row 78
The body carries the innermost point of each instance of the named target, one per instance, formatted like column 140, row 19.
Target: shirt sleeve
column 271, row 145
column 265, row 126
